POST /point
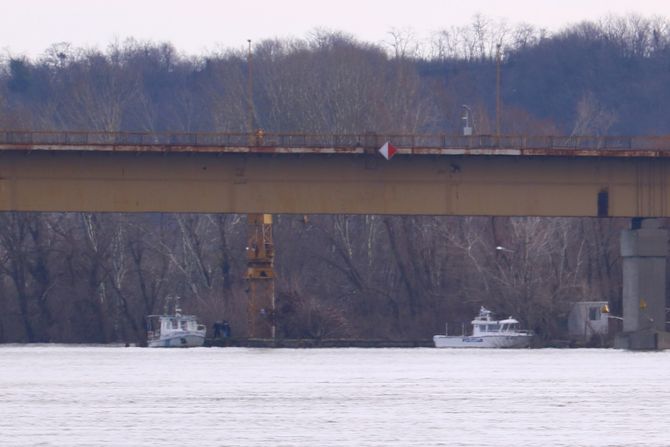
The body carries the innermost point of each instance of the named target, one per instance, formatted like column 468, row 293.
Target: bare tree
column 403, row 43
column 26, row 251
column 535, row 274
column 592, row 117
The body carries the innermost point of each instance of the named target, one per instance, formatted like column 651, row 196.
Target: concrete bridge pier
column 644, row 249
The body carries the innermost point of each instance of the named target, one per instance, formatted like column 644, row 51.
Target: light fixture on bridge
column 467, row 129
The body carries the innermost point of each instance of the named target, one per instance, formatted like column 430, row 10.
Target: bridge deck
column 590, row 146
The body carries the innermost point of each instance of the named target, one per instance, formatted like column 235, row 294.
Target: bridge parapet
column 260, row 142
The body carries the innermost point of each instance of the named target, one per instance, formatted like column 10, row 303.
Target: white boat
column 175, row 331
column 488, row 333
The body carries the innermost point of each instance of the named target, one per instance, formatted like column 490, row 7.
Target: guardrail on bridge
column 368, row 140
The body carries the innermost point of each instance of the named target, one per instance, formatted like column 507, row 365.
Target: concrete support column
column 644, row 249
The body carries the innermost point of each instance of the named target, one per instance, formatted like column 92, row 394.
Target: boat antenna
column 166, row 306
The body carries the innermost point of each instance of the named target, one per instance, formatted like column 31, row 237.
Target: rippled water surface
column 90, row 396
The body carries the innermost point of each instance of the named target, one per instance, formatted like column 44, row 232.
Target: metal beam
column 342, row 183
column 260, row 277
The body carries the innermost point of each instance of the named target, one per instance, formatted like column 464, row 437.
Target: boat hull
column 178, row 340
column 495, row 341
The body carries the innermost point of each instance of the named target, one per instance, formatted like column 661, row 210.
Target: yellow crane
column 260, row 277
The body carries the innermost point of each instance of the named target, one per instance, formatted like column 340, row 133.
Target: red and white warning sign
column 388, row 150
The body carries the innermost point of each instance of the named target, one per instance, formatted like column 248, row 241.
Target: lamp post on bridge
column 250, row 92
column 467, row 129
column 498, row 101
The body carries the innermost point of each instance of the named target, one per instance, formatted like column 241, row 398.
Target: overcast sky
column 196, row 26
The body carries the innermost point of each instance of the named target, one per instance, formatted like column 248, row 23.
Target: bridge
column 339, row 174
column 260, row 174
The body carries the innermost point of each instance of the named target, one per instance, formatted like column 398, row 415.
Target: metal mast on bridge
column 260, row 248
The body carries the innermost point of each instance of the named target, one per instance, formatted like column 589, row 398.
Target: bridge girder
column 498, row 185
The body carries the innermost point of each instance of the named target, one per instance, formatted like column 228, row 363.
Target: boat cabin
column 484, row 324
column 172, row 324
column 176, row 330
column 178, row 323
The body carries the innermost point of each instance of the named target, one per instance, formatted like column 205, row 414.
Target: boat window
column 183, row 325
column 493, row 327
column 594, row 313
column 175, row 325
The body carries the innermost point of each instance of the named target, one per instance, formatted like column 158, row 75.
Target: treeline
column 92, row 278
column 593, row 78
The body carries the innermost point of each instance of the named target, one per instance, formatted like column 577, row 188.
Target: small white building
column 586, row 319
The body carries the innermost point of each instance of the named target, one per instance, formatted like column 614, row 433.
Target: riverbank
column 315, row 343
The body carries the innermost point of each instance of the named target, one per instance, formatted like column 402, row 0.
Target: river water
column 115, row 396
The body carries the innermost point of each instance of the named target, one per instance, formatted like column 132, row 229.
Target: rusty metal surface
column 244, row 183
column 267, row 143
column 260, row 276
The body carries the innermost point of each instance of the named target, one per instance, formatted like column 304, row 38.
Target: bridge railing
column 368, row 140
